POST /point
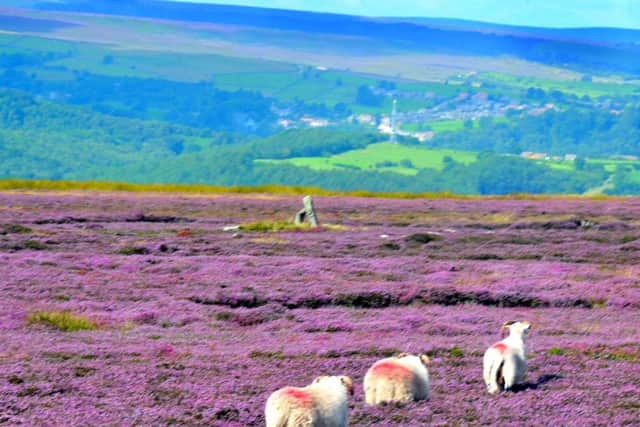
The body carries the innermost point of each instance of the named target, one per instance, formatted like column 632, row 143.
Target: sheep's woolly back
column 322, row 403
column 396, row 379
column 505, row 363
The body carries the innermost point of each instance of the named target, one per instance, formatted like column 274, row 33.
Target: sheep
column 401, row 378
column 323, row 403
column 505, row 363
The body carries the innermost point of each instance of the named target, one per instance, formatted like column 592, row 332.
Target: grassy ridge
column 46, row 185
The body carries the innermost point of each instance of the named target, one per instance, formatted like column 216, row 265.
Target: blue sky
column 543, row 13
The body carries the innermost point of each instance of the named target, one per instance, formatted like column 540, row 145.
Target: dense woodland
column 585, row 132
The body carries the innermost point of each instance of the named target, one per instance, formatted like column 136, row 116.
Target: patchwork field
column 138, row 309
column 384, row 157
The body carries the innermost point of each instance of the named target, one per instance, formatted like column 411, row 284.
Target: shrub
column 391, row 246
column 386, row 164
column 406, row 163
column 29, row 391
column 83, row 371
column 34, row 245
column 62, row 320
column 456, row 352
column 257, row 354
column 14, row 379
column 14, row 229
column 628, row 239
column 227, row 414
column 134, row 250
column 422, row 238
column 483, row 257
column 366, row 300
column 224, row 315
column 555, row 351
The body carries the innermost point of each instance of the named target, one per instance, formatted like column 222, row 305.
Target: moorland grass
column 273, row 226
column 65, row 186
column 64, row 321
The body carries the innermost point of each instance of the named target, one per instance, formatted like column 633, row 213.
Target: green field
column 439, row 126
column 575, row 87
column 566, row 165
column 387, row 157
column 375, row 155
column 609, row 165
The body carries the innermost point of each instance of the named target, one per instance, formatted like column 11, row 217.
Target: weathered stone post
column 308, row 213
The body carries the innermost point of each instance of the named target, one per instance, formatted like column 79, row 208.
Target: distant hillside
column 573, row 48
column 18, row 23
column 596, row 35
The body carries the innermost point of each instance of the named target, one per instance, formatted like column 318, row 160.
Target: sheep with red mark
column 402, row 378
column 505, row 362
column 323, row 403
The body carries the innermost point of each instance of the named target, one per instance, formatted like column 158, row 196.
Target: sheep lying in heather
column 323, row 403
column 505, row 363
column 402, row 378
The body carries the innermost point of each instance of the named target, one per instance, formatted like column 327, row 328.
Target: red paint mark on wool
column 303, row 397
column 501, row 347
column 391, row 370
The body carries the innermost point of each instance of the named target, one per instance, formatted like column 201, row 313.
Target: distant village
column 466, row 106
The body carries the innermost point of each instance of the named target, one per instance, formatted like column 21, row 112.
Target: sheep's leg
column 492, row 372
column 509, row 373
column 372, row 391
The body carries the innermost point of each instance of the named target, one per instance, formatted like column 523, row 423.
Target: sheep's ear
column 317, row 379
column 504, row 330
column 425, row 359
column 400, row 355
column 348, row 383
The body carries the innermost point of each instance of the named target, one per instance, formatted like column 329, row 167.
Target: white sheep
column 323, row 403
column 505, row 363
column 402, row 378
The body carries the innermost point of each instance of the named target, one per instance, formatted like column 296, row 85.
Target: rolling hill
column 584, row 49
column 194, row 93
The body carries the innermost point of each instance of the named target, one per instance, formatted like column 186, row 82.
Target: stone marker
column 308, row 213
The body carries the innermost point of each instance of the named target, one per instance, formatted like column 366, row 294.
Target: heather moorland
column 138, row 309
